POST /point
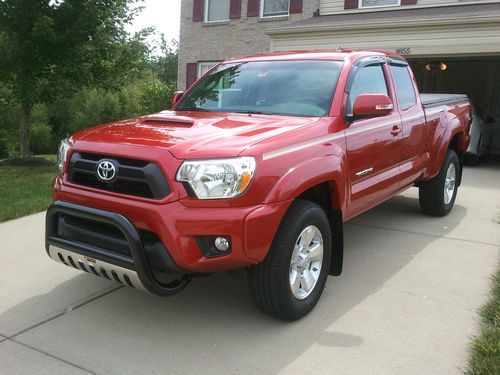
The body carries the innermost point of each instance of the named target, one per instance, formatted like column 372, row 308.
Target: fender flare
column 453, row 127
column 327, row 168
column 312, row 172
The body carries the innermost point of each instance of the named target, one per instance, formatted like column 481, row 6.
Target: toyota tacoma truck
column 256, row 166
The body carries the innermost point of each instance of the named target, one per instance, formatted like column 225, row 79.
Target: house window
column 274, row 8
column 216, row 10
column 378, row 3
column 205, row 66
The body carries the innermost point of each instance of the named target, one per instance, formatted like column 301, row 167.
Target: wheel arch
column 321, row 180
column 457, row 141
column 325, row 194
column 458, row 144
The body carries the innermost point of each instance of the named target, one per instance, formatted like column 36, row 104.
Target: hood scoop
column 160, row 122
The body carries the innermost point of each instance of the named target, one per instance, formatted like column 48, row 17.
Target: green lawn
column 25, row 190
column 485, row 349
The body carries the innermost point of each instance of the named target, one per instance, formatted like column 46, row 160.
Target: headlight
column 62, row 154
column 218, row 178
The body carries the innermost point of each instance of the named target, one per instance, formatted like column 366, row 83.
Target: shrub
column 41, row 138
column 157, row 96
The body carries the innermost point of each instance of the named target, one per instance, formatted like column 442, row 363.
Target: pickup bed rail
column 434, row 100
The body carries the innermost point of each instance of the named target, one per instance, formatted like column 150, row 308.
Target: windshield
column 296, row 88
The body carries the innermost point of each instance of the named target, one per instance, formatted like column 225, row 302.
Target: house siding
column 201, row 41
column 337, row 6
column 481, row 38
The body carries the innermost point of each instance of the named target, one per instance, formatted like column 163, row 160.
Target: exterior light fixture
column 435, row 65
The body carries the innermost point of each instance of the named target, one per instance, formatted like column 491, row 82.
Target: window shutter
column 198, row 10
column 235, row 9
column 351, row 4
column 191, row 69
column 253, row 8
column 408, row 2
column 295, row 6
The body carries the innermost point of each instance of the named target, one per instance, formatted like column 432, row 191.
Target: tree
column 51, row 47
column 165, row 63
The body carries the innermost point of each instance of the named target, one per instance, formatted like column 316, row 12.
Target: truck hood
column 195, row 134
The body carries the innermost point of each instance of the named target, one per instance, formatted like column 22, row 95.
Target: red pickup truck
column 256, row 167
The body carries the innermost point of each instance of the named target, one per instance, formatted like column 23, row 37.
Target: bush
column 157, row 96
column 92, row 106
column 42, row 141
column 4, row 151
column 85, row 108
column 9, row 123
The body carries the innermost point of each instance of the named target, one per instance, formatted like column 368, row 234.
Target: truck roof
column 337, row 54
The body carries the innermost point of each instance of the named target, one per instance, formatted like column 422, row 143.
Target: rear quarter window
column 404, row 86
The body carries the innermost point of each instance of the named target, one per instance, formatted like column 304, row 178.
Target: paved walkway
column 406, row 304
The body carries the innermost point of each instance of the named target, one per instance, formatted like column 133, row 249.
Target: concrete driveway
column 406, row 303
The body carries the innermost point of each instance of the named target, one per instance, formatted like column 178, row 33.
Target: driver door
column 373, row 144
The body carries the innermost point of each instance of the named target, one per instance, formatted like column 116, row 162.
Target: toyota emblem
column 106, row 171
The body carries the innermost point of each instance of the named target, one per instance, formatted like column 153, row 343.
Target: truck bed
column 434, row 100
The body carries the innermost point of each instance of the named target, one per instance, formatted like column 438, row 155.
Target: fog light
column 221, row 243
column 214, row 246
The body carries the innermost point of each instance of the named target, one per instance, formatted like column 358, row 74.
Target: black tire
column 431, row 193
column 269, row 283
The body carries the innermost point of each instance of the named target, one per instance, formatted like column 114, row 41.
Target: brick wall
column 211, row 42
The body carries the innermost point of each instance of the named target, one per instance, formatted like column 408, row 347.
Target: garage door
column 478, row 77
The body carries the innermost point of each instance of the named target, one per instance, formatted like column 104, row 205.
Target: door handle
column 396, row 130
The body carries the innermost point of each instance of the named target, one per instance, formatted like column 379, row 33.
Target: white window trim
column 200, row 63
column 261, row 15
column 205, row 15
column 360, row 5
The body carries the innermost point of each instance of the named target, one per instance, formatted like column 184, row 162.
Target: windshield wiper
column 195, row 109
column 257, row 113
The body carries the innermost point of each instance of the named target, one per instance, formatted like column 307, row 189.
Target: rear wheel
column 289, row 282
column 437, row 195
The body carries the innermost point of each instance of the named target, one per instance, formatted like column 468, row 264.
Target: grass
column 25, row 190
column 485, row 349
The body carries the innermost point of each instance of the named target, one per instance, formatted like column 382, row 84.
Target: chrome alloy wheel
column 449, row 183
column 306, row 262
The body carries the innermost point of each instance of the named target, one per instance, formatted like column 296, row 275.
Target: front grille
column 133, row 177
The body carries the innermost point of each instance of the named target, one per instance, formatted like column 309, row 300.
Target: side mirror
column 372, row 105
column 175, row 98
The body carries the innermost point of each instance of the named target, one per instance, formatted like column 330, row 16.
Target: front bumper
column 133, row 269
column 178, row 226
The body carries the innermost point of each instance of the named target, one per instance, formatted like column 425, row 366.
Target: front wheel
column 437, row 195
column 289, row 282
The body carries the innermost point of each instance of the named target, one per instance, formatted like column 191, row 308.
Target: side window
column 404, row 86
column 368, row 80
